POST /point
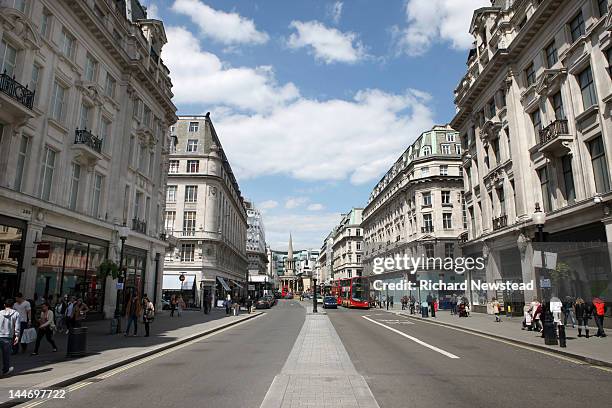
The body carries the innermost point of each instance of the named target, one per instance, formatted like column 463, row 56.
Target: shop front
column 12, row 241
column 173, row 286
column 67, row 264
column 135, row 264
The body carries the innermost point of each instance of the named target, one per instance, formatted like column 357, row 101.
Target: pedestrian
column 148, row 314
column 556, row 308
column 133, row 313
column 60, row 313
column 599, row 311
column 80, row 312
column 249, row 304
column 412, row 302
column 236, row 307
column 527, row 321
column 180, row 303
column 583, row 314
column 430, row 305
column 568, row 311
column 69, row 316
column 207, row 303
column 46, row 327
column 24, row 308
column 536, row 313
column 9, row 334
column 454, row 301
column 228, row 304
column 172, row 305
column 391, row 299
column 496, row 307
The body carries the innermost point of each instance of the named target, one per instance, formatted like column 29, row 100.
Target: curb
column 64, row 382
column 585, row 359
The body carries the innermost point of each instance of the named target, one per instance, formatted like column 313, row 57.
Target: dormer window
column 426, row 150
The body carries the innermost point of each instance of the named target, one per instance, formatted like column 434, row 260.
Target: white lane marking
column 421, row 342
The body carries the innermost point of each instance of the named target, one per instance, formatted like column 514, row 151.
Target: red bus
column 355, row 292
column 284, row 291
column 335, row 291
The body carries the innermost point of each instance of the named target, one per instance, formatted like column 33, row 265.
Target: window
column 109, row 86
column 91, row 67
column 458, row 149
column 545, row 187
column 358, row 246
column 429, row 250
column 568, row 178
column 444, row 170
column 491, row 108
column 21, row 162
column 577, row 27
column 463, row 212
column 58, row 102
column 530, row 75
column 446, row 149
column 557, row 103
column 151, row 163
column 34, row 79
column 426, row 150
column 169, row 220
column 104, row 133
column 171, row 194
column 194, row 126
column 450, row 137
column 189, row 222
column 46, row 173
column 424, row 171
column 446, row 221
column 587, row 88
column 174, row 166
column 501, row 197
column 97, row 194
column 146, row 115
column 609, row 58
column 18, row 4
column 602, row 6
column 449, row 250
column 67, row 44
column 187, row 252
column 600, row 167
column 74, row 185
column 496, row 152
column 84, row 116
column 192, row 145
column 8, row 59
column 45, row 24
column 551, row 54
column 137, row 205
column 136, row 108
column 142, row 158
column 193, row 166
column 446, row 197
column 427, row 199
column 191, row 194
column 537, row 123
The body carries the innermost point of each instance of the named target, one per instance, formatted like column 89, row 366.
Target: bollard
column 77, row 342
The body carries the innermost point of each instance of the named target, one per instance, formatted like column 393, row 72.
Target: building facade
column 294, row 269
column 347, row 247
column 533, row 112
column 416, row 210
column 324, row 262
column 85, row 101
column 205, row 211
column 259, row 280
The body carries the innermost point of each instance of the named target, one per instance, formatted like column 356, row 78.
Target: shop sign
column 43, row 249
column 119, row 285
column 182, row 278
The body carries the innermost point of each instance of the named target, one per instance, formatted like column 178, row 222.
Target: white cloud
column 267, row 205
column 335, row 11
column 434, row 21
column 201, row 77
column 308, row 229
column 315, row 207
column 294, row 202
column 327, row 44
column 225, row 28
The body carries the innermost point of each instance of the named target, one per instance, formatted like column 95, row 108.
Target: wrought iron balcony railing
column 139, row 226
column 554, row 130
column 84, row 136
column 427, row 228
column 16, row 91
column 500, row 222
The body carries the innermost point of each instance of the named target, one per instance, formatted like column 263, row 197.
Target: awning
column 172, row 282
column 237, row 284
column 223, row 283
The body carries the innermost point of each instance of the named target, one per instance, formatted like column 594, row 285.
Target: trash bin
column 77, row 342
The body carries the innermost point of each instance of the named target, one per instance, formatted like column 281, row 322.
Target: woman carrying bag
column 148, row 315
column 46, row 327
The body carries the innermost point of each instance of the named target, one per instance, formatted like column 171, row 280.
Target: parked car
column 278, row 295
column 319, row 299
column 262, row 303
column 271, row 299
column 330, row 302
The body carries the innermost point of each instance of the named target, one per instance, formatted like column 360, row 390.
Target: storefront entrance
column 11, row 255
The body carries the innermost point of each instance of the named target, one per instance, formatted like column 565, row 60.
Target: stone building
column 416, row 210
column 347, row 247
column 259, row 279
column 85, row 101
column 206, row 212
column 324, row 262
column 533, row 112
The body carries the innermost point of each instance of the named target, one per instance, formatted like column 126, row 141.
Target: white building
column 324, row 262
column 259, row 279
column 533, row 111
column 82, row 148
column 205, row 211
column 347, row 247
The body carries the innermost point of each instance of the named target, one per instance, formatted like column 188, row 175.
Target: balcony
column 16, row 91
column 187, row 233
column 463, row 238
column 554, row 139
column 139, row 226
column 500, row 222
column 84, row 137
column 427, row 229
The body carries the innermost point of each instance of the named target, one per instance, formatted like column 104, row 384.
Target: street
column 406, row 363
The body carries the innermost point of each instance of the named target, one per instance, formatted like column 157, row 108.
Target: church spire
column 290, row 250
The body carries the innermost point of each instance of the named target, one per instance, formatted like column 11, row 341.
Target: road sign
column 182, row 278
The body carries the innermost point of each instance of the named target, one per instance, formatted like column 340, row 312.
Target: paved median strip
column 421, row 342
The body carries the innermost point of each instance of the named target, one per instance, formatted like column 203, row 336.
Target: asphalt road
column 402, row 372
column 233, row 368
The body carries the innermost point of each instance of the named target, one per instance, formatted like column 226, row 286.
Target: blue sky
column 313, row 100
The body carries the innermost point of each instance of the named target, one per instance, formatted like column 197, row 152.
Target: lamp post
column 123, row 234
column 548, row 326
column 539, row 219
column 314, row 295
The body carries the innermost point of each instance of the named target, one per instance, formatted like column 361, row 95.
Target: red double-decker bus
column 284, row 291
column 355, row 292
column 335, row 291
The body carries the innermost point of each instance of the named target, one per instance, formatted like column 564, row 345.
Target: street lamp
column 548, row 330
column 123, row 234
column 539, row 219
column 314, row 295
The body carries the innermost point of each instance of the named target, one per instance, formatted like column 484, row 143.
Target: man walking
column 24, row 309
column 599, row 311
column 454, row 304
column 9, row 334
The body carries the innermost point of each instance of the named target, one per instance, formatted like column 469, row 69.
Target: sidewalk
column 595, row 350
column 106, row 351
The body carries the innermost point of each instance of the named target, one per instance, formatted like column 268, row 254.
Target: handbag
column 28, row 336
